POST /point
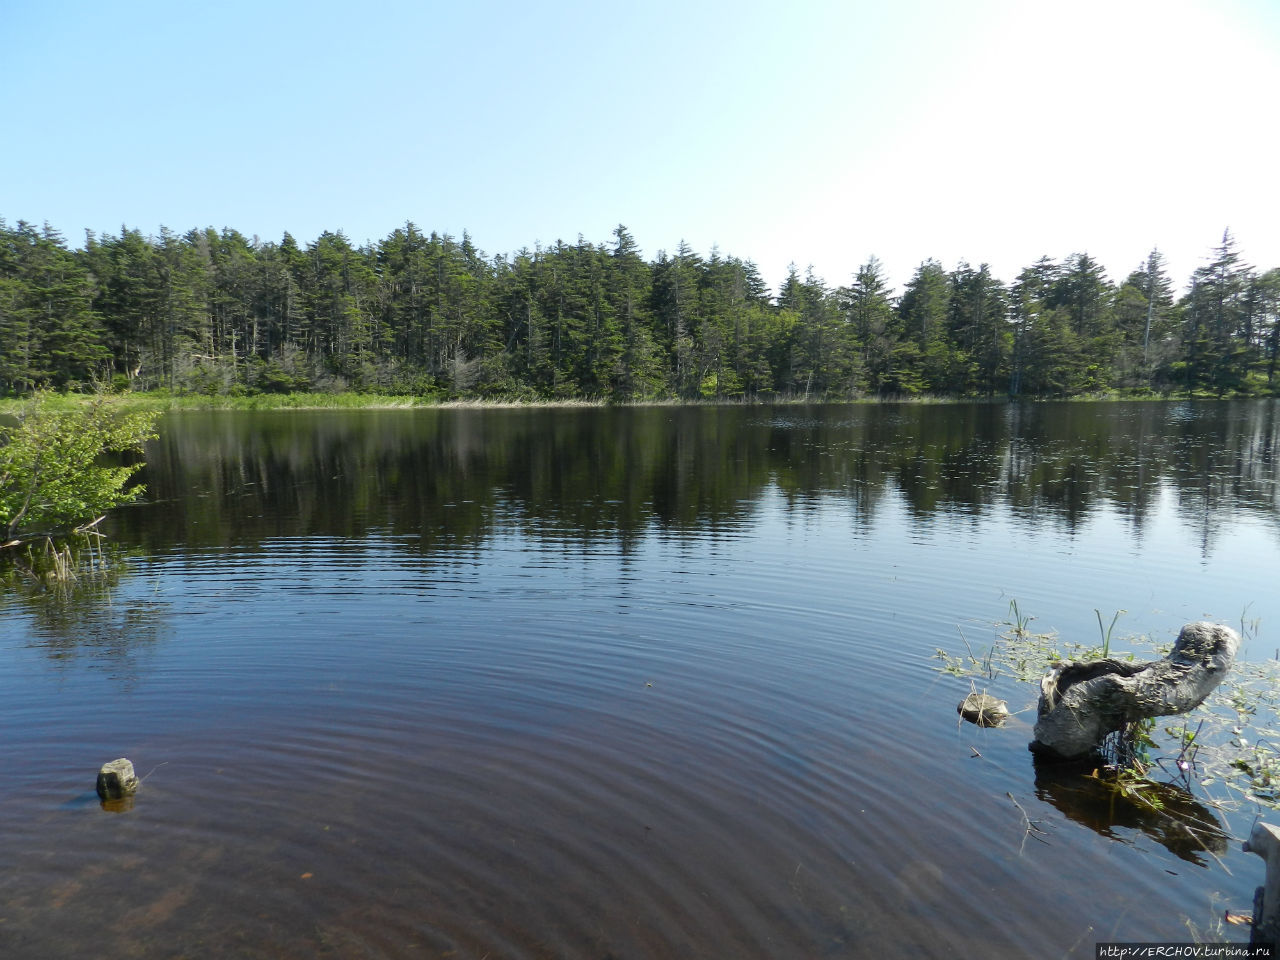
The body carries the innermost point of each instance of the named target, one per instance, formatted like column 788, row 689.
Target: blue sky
column 814, row 132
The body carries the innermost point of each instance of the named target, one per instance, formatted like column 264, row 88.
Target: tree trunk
column 1081, row 702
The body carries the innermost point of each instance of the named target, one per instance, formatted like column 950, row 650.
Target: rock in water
column 117, row 779
column 984, row 710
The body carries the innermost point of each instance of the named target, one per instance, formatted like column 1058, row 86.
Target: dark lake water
column 638, row 683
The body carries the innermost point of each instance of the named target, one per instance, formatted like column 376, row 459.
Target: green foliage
column 216, row 314
column 48, row 333
column 52, row 477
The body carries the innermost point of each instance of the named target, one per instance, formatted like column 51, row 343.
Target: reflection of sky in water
column 934, row 572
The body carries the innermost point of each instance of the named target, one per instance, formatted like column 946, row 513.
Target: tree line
column 428, row 314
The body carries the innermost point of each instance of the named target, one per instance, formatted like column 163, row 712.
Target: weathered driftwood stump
column 1083, row 701
column 1264, row 840
column 116, row 780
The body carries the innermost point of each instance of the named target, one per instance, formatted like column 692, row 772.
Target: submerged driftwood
column 1083, row 701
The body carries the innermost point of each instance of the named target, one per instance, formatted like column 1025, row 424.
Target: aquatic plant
column 1106, row 634
column 55, row 487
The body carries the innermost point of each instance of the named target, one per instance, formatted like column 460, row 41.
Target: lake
column 618, row 683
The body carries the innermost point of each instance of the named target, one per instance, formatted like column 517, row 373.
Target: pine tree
column 1082, row 290
column 977, row 324
column 1216, row 351
column 923, row 312
column 1143, row 315
column 825, row 363
column 638, row 371
column 49, row 335
column 131, row 298
column 1267, row 288
column 1045, row 358
column 889, row 363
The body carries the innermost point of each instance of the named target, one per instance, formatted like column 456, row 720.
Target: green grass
column 165, row 400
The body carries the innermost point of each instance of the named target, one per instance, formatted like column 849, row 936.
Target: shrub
column 52, row 474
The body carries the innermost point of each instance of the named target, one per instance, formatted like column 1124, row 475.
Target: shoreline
column 170, row 403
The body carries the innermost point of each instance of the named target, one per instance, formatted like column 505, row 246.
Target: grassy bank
column 163, row 400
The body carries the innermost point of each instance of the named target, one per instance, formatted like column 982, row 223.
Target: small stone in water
column 117, row 779
column 983, row 709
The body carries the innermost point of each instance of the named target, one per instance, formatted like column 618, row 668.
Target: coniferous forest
column 217, row 313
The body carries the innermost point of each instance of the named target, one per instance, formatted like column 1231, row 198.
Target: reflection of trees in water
column 81, row 616
column 447, row 477
column 1229, row 467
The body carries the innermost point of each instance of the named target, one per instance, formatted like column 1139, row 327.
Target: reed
column 1106, row 634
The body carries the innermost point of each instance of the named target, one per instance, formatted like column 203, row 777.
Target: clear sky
column 817, row 132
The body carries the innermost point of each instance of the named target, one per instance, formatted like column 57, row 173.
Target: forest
column 210, row 312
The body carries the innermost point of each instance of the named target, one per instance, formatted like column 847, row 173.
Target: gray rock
column 1083, row 701
column 984, row 710
column 117, row 779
